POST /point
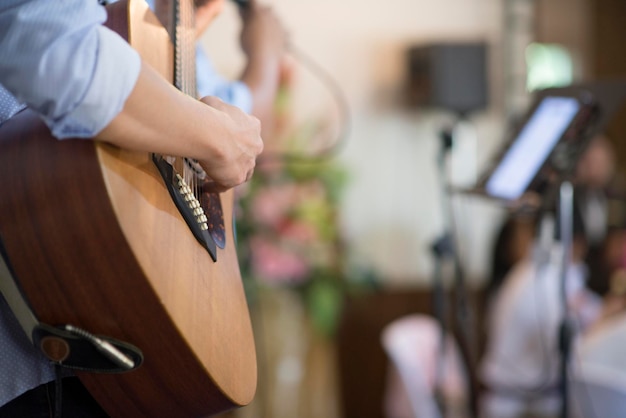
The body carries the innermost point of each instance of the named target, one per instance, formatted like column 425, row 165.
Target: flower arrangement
column 289, row 236
column 287, row 225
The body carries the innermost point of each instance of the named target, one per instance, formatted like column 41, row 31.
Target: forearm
column 158, row 118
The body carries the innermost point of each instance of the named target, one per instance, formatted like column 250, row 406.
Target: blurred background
column 334, row 251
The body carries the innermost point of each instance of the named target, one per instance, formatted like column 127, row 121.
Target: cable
column 543, row 379
column 335, row 90
column 541, row 265
column 586, row 405
column 58, row 391
column 342, row 105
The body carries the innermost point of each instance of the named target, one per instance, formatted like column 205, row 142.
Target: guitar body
column 95, row 240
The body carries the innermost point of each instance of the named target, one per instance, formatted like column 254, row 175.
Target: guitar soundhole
column 212, row 206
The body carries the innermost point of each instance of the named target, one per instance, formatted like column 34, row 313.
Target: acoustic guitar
column 129, row 245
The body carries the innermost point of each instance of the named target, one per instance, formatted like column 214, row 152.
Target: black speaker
column 450, row 76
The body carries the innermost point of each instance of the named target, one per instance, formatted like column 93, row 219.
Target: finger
column 213, row 101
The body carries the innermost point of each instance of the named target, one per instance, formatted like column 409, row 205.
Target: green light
column 548, row 65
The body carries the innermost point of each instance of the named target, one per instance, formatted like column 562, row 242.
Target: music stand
column 546, row 146
column 538, row 162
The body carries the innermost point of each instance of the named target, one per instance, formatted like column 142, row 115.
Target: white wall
column 392, row 211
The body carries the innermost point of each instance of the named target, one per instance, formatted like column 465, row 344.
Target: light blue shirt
column 210, row 83
column 80, row 109
column 43, row 44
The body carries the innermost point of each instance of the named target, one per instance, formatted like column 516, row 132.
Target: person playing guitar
column 60, row 65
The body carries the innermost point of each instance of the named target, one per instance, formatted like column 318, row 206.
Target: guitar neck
column 178, row 17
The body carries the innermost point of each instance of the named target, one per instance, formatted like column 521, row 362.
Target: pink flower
column 273, row 264
column 271, row 204
column 300, row 232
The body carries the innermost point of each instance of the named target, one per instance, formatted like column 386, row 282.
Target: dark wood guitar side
column 96, row 241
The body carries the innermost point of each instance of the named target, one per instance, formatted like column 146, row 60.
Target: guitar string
column 188, row 51
column 184, row 25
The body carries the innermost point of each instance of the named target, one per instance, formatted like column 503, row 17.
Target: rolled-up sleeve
column 56, row 57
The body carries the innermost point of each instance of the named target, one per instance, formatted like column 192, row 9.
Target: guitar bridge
column 190, row 207
column 192, row 202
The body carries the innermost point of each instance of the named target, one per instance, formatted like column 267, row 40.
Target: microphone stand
column 444, row 249
column 566, row 216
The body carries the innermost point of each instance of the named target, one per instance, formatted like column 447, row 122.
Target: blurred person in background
column 263, row 41
column 520, row 366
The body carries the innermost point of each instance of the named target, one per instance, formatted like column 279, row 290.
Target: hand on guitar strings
column 240, row 145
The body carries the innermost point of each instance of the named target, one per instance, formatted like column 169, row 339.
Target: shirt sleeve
column 210, row 83
column 56, row 57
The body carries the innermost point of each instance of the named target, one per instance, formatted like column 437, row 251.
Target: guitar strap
column 66, row 345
